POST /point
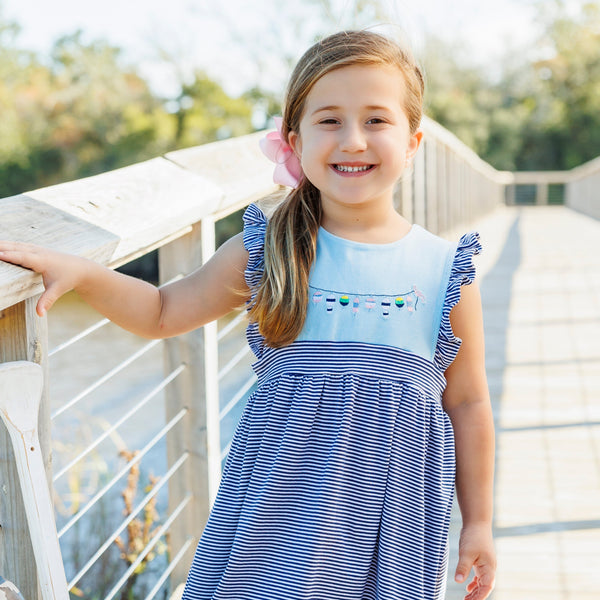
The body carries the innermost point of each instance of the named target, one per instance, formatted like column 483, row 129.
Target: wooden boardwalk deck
column 540, row 281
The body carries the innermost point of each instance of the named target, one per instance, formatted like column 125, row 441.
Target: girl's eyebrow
column 325, row 108
column 334, row 108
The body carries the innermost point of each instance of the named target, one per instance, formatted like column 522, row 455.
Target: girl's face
column 354, row 139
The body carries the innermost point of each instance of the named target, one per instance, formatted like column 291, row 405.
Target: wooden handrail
column 123, row 214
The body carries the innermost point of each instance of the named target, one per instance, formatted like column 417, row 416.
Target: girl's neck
column 367, row 224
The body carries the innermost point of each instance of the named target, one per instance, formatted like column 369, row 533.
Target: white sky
column 236, row 41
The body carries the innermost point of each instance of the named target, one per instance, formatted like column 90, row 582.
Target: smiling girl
column 372, row 398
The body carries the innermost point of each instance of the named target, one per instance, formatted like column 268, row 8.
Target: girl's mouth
column 352, row 169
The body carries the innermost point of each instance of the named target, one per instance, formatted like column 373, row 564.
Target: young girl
column 370, row 356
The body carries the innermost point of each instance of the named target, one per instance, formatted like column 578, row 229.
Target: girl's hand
column 60, row 272
column 476, row 549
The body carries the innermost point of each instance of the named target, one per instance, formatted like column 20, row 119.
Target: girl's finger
column 51, row 294
column 16, row 257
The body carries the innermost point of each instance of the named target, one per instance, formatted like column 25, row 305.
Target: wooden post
column 21, row 385
column 407, row 207
column 197, row 390
column 23, row 336
column 433, row 222
column 442, row 187
column 541, row 193
column 419, row 200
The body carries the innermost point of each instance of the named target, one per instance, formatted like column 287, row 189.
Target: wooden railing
column 576, row 188
column 172, row 203
column 583, row 189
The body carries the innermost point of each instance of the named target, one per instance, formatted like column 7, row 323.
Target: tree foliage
column 84, row 111
column 540, row 115
column 562, row 129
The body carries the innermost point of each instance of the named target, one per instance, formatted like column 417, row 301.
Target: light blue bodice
column 389, row 294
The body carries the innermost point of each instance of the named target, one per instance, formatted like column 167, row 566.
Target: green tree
column 206, row 113
column 563, row 126
column 103, row 114
column 86, row 112
column 81, row 114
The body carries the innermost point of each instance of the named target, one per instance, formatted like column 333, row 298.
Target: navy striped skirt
column 338, row 484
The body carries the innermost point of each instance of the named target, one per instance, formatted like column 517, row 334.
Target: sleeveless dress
column 340, row 477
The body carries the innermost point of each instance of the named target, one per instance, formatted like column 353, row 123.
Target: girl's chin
column 357, row 200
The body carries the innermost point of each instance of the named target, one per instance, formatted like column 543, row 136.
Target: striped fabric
column 340, row 477
column 462, row 273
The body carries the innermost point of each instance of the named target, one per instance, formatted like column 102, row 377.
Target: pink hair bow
column 288, row 170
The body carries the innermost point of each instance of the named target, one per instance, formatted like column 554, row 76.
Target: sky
column 240, row 43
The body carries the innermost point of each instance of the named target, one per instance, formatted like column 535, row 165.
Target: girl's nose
column 353, row 139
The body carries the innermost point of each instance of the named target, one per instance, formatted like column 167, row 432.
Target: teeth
column 346, row 169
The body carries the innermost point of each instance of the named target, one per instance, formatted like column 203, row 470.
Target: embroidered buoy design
column 405, row 300
column 330, row 303
column 385, row 308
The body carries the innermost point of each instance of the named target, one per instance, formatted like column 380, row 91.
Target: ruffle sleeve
column 462, row 272
column 255, row 226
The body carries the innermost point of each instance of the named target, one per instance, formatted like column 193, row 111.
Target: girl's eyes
column 333, row 121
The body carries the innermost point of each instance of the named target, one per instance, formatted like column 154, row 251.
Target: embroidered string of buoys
column 404, row 301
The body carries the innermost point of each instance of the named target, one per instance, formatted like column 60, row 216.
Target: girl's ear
column 295, row 143
column 413, row 145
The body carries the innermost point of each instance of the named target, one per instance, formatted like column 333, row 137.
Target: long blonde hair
column 281, row 301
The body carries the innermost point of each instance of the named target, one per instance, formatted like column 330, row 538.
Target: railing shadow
column 496, row 293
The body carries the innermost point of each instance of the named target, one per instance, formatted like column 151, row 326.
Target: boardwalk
column 540, row 280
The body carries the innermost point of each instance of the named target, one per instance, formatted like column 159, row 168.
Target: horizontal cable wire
column 234, row 361
column 176, row 560
column 94, row 327
column 78, row 337
column 105, row 378
column 232, row 325
column 122, row 420
column 163, row 480
column 124, row 470
column 134, row 565
column 241, row 393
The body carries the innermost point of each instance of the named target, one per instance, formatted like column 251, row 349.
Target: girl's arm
column 467, row 402
column 206, row 294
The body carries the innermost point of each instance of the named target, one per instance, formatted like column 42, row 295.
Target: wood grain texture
column 23, row 336
column 109, row 218
column 21, row 384
column 239, row 169
column 187, row 391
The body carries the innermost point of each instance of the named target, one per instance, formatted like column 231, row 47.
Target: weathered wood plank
column 21, row 384
column 187, row 391
column 23, row 336
column 540, row 177
column 239, row 169
column 109, row 218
